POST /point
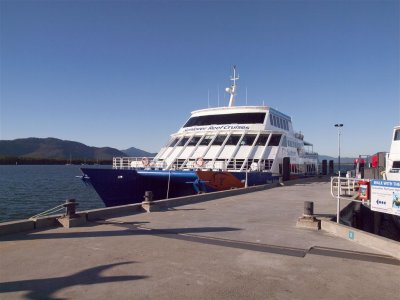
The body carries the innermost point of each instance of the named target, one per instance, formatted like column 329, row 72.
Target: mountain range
column 52, row 148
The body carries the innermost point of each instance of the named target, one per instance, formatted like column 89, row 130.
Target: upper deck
column 249, row 118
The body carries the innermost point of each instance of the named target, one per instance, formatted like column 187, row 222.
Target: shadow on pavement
column 46, row 288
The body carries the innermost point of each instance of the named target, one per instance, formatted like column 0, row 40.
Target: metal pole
column 338, row 127
column 339, row 153
column 338, row 207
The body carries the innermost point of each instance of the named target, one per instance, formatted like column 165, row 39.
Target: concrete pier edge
column 379, row 243
column 367, row 239
column 124, row 210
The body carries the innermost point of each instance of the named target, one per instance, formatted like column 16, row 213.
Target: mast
column 232, row 89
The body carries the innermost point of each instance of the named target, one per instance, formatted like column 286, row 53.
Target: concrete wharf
column 239, row 247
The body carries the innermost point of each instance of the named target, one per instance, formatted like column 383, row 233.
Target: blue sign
column 385, row 196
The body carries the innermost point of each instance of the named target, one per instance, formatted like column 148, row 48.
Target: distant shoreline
column 49, row 161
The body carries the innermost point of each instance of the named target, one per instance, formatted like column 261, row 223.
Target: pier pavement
column 240, row 247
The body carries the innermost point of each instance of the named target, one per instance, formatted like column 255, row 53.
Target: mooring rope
column 49, row 211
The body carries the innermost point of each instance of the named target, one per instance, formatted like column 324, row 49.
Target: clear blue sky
column 128, row 73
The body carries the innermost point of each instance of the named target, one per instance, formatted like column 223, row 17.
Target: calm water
column 28, row 190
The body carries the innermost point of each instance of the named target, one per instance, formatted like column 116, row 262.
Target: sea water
column 26, row 190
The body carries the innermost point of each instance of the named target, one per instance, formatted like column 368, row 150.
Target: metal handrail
column 136, row 163
column 349, row 184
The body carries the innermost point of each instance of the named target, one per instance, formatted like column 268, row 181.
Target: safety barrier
column 349, row 189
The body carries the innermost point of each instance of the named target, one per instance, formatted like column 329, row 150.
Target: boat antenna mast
column 232, row 89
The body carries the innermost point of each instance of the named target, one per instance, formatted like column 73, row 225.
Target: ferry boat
column 392, row 171
column 216, row 149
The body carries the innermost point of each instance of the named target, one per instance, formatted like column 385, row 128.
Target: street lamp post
column 338, row 127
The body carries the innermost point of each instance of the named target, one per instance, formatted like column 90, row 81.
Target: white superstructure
column 237, row 138
column 393, row 157
column 234, row 138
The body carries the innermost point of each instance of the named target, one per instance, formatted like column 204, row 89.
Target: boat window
column 396, row 164
column 174, row 142
column 397, row 135
column 233, row 139
column 219, row 140
column 239, row 118
column 275, row 139
column 194, row 141
column 183, row 141
column 248, row 140
column 284, row 142
column 279, row 122
column 262, row 140
column 206, row 140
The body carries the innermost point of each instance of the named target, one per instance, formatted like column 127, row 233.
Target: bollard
column 308, row 220
column 71, row 218
column 70, row 207
column 148, row 196
column 147, row 204
column 308, row 208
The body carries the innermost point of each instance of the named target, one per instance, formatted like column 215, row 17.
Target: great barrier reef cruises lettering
column 220, row 127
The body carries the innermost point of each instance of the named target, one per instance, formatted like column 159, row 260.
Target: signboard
column 385, row 196
column 227, row 127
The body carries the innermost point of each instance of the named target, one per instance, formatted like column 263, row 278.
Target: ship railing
column 200, row 164
column 137, row 163
column 224, row 165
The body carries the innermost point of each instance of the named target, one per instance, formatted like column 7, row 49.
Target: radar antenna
column 232, row 89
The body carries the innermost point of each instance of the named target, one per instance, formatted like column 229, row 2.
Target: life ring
column 199, row 162
column 145, row 161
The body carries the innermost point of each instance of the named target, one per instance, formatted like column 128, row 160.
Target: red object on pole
column 375, row 161
column 364, row 190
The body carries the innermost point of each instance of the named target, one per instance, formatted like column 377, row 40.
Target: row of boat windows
column 239, row 118
column 289, row 143
column 293, row 144
column 279, row 122
column 233, row 139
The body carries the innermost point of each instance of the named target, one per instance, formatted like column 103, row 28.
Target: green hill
column 135, row 152
column 56, row 149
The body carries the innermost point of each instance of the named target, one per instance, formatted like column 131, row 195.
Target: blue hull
column 127, row 186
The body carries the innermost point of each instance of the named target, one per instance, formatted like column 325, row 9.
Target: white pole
column 338, row 201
